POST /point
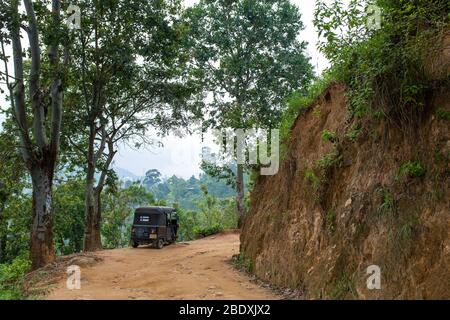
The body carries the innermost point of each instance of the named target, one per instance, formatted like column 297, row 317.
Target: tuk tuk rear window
column 150, row 218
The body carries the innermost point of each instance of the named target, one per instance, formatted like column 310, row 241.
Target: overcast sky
column 181, row 156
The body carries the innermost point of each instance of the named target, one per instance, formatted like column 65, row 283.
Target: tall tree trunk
column 92, row 240
column 98, row 215
column 39, row 154
column 92, row 235
column 240, row 193
column 41, row 251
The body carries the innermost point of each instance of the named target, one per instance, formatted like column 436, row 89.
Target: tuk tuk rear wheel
column 135, row 244
column 160, row 244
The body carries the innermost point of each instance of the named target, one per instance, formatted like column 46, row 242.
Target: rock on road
column 194, row 270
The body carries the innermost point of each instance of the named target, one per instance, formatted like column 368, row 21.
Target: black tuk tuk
column 154, row 225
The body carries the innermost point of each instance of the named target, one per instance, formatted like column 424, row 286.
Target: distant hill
column 125, row 175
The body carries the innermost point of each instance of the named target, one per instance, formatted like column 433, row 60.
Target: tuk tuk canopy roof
column 155, row 210
column 153, row 215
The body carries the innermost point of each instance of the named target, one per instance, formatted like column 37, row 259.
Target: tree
column 39, row 104
column 152, row 177
column 11, row 181
column 69, row 216
column 131, row 68
column 247, row 53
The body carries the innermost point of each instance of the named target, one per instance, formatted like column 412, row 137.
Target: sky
column 181, row 156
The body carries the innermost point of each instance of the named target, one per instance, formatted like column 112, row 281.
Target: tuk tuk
column 157, row 226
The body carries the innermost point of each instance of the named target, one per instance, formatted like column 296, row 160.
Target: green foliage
column 322, row 167
column 328, row 136
column 205, row 231
column 317, row 113
column 413, row 169
column 189, row 220
column 248, row 53
column 187, row 192
column 343, row 287
column 213, row 215
column 330, row 220
column 442, row 114
column 328, row 161
column 242, row 262
column 152, row 177
column 406, row 230
column 312, row 179
column 387, row 207
column 11, row 278
column 353, row 133
column 299, row 101
column 68, row 204
column 383, row 68
column 12, row 184
column 16, row 231
column 315, row 183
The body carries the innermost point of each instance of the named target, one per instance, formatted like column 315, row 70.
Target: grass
column 312, row 179
column 323, row 164
column 406, row 230
column 401, row 238
column 342, row 287
column 242, row 262
column 330, row 220
column 383, row 70
column 442, row 114
column 300, row 101
column 317, row 113
column 12, row 278
column 328, row 136
column 201, row 232
column 329, row 160
column 413, row 169
column 387, row 207
column 353, row 133
column 315, row 183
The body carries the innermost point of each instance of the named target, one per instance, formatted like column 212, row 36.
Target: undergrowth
column 328, row 136
column 12, row 278
column 202, row 231
column 383, row 66
column 330, row 220
column 442, row 114
column 242, row 262
column 412, row 169
column 387, row 207
column 298, row 102
column 343, row 287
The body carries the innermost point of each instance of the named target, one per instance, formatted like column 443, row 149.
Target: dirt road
column 195, row 270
